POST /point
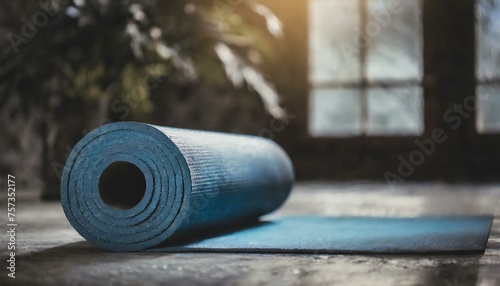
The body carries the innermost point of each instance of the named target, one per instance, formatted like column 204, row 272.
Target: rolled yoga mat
column 132, row 186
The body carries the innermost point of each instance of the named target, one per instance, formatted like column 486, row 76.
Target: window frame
column 364, row 84
column 486, row 82
column 449, row 77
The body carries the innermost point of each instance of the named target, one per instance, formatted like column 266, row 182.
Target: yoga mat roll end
column 131, row 186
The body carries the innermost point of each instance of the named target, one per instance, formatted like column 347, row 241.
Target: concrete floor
column 50, row 252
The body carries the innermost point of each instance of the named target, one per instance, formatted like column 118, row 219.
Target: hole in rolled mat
column 122, row 185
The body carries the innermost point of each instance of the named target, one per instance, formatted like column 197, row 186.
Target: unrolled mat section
column 347, row 235
column 132, row 186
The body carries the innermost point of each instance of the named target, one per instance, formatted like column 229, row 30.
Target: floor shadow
column 203, row 233
column 77, row 263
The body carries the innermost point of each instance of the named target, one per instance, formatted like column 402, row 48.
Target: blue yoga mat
column 344, row 235
column 132, row 186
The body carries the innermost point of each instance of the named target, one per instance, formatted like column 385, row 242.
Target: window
column 365, row 81
column 488, row 66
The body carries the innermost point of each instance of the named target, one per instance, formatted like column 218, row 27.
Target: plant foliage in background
column 82, row 63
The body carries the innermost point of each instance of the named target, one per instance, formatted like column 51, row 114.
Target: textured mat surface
column 309, row 234
column 132, row 186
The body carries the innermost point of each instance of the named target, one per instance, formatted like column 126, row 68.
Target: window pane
column 395, row 111
column 335, row 112
column 488, row 39
column 488, row 107
column 393, row 32
column 394, row 40
column 331, row 30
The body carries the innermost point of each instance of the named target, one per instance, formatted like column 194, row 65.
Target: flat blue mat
column 349, row 235
column 131, row 186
